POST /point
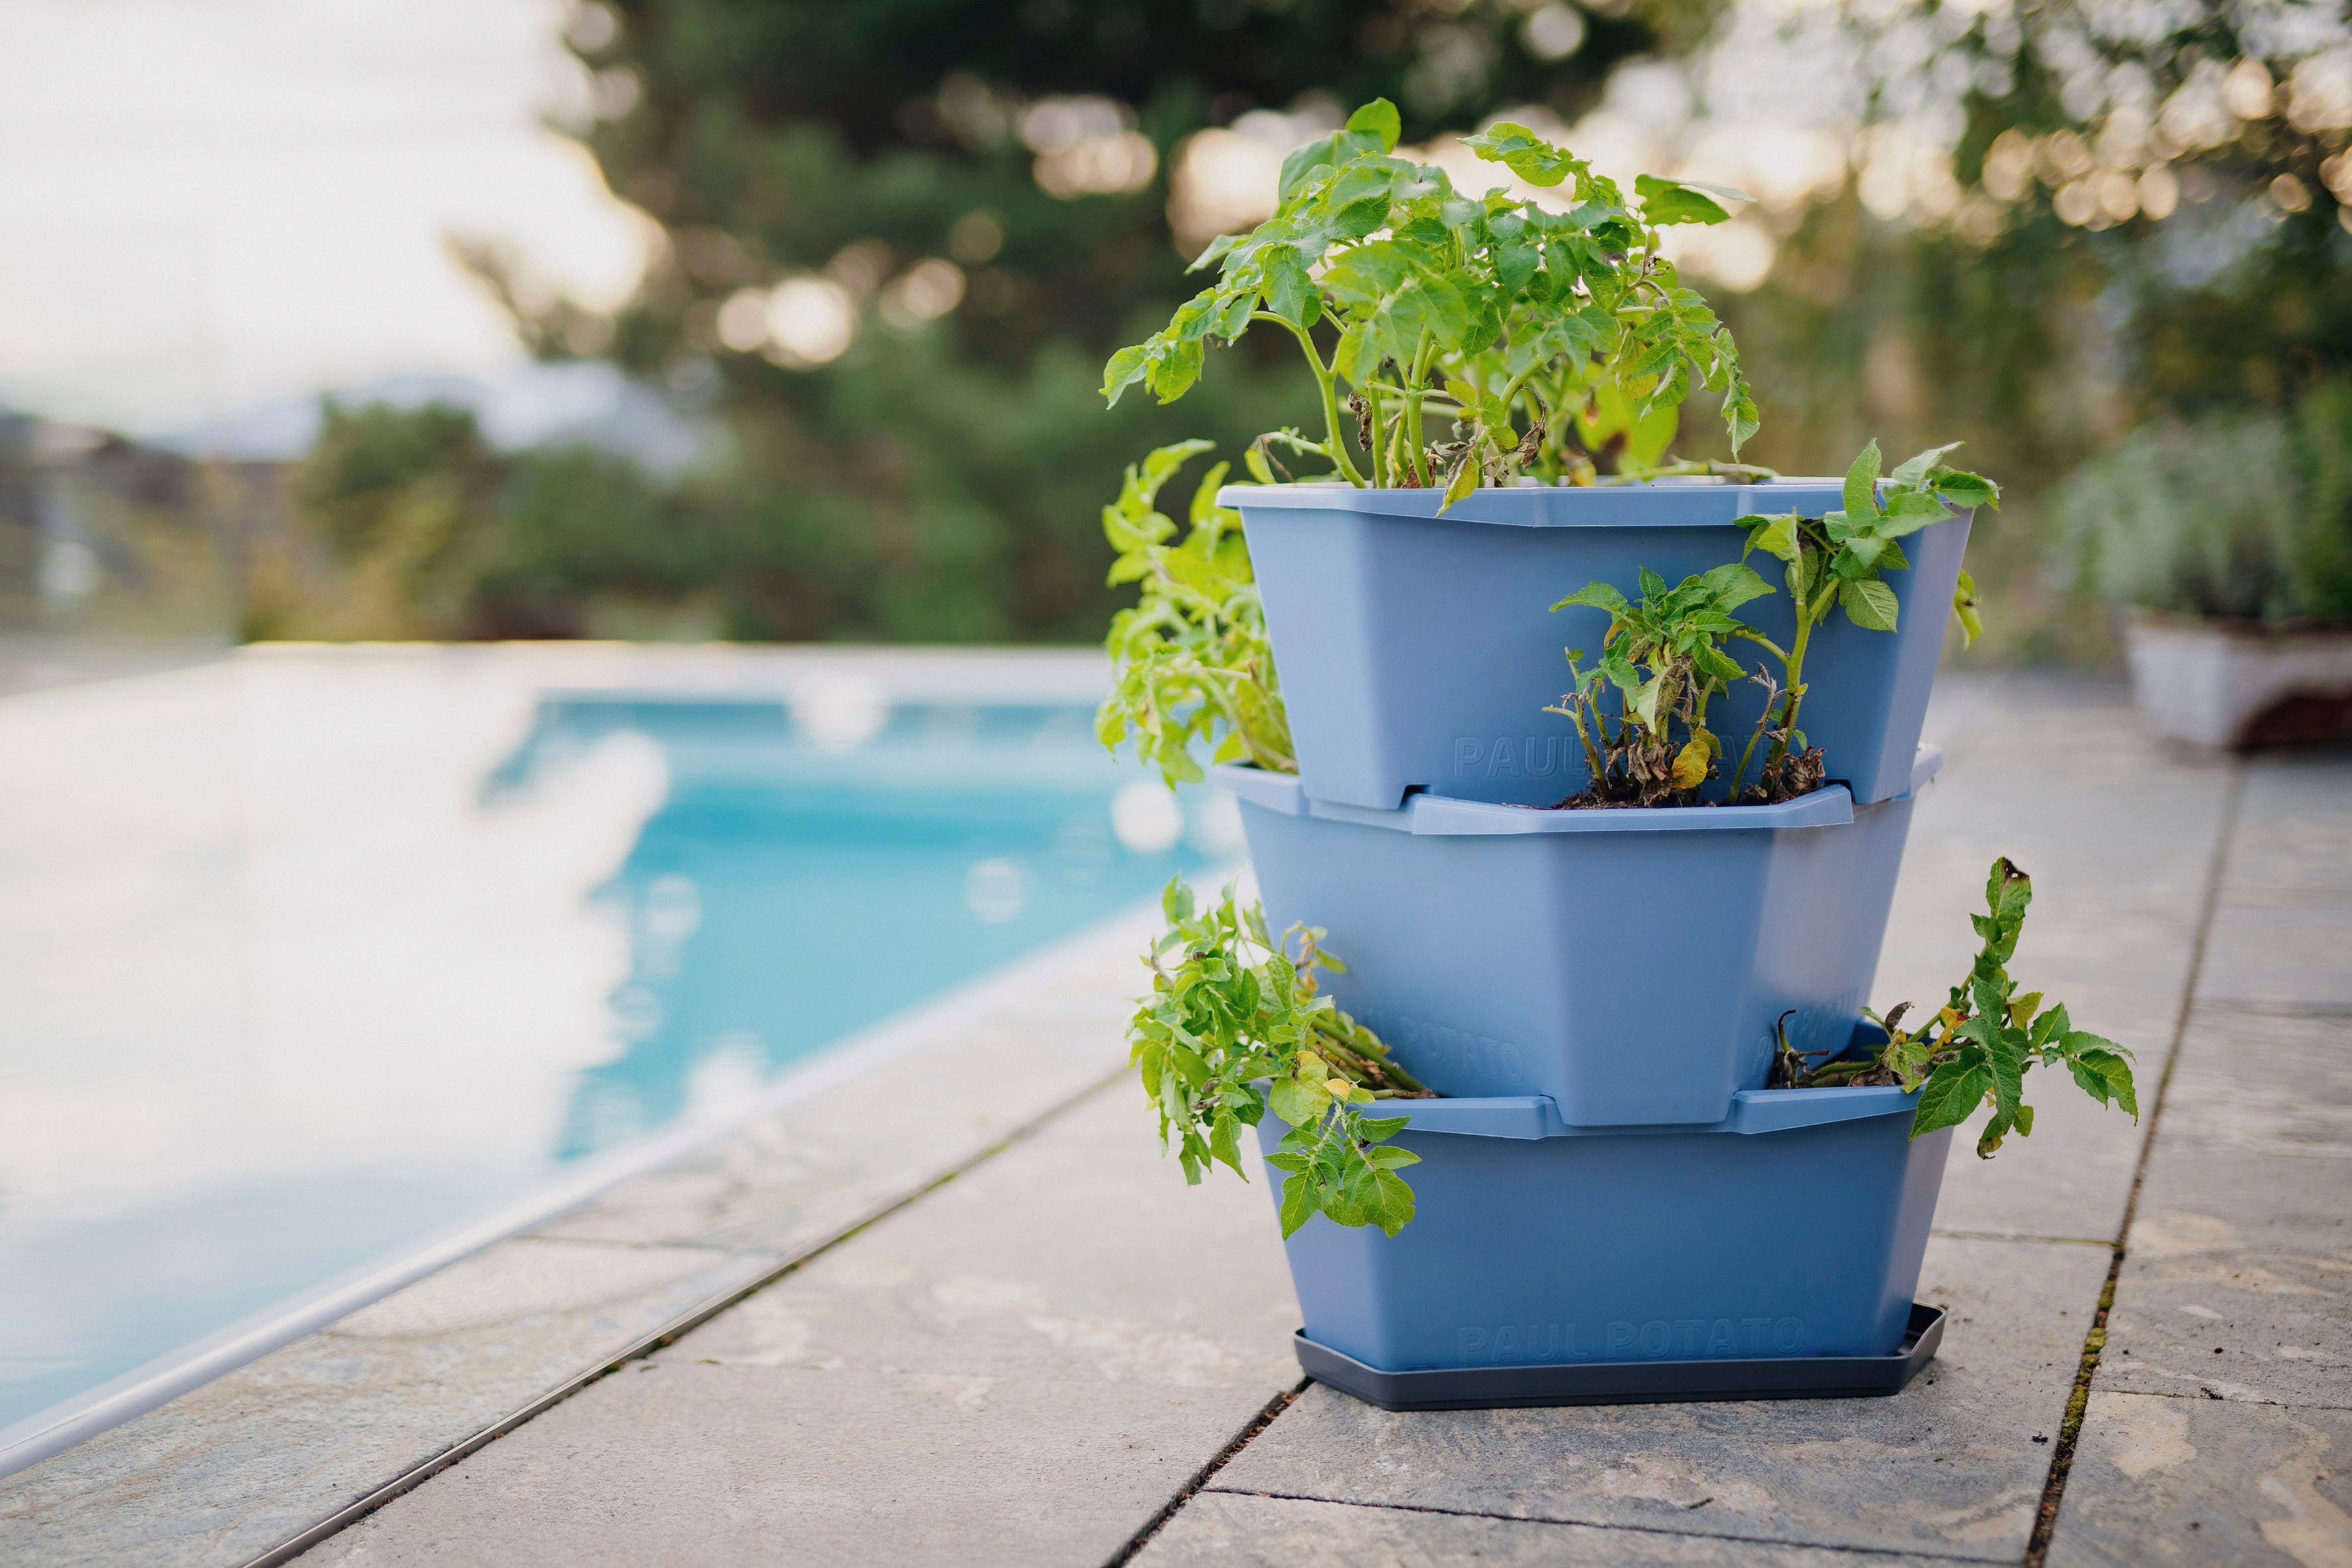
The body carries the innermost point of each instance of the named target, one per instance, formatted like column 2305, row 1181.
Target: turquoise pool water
column 771, row 885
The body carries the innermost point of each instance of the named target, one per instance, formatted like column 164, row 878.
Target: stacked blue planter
column 1610, row 1205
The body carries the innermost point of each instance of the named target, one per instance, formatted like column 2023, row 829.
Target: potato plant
column 1233, row 1025
column 1835, row 562
column 1664, row 657
column 1536, row 334
column 1977, row 1048
column 1191, row 657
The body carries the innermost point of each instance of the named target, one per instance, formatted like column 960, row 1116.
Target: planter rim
column 1693, row 502
column 1443, row 815
column 1754, row 1111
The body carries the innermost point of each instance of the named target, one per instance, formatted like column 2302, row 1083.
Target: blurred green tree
column 901, row 236
column 405, row 502
column 2064, row 220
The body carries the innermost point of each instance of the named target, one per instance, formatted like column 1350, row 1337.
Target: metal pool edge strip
column 145, row 1388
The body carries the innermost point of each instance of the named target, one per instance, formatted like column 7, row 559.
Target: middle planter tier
column 1631, row 964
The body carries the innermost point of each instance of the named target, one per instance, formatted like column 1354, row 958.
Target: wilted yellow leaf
column 1690, row 766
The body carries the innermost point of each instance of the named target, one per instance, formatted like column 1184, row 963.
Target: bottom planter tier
column 1792, row 1231
column 1632, row 1382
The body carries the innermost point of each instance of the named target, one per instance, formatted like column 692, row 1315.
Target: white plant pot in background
column 2206, row 683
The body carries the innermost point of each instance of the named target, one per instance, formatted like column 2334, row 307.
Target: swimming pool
column 375, row 951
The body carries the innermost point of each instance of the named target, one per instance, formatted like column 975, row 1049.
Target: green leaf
column 2104, row 1060
column 1597, row 595
column 1357, row 358
column 1299, row 1204
column 1773, row 535
column 1950, row 1094
column 1392, row 1209
column 1869, row 605
column 1216, row 252
column 1304, row 162
column 1733, row 585
column 1521, row 151
column 1964, row 605
column 1298, row 1101
column 1968, row 490
column 1224, row 1145
column 1861, row 484
column 1432, row 304
column 1378, row 118
column 1740, row 414
column 1172, row 369
column 1126, row 368
column 1667, row 202
column 1907, row 511
column 1915, row 468
column 1289, row 292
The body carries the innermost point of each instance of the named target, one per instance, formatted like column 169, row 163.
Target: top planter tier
column 1419, row 651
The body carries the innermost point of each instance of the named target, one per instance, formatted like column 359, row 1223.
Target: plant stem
column 1418, row 373
column 1708, row 468
column 1266, row 756
column 1380, row 436
column 1324, row 379
column 1793, row 666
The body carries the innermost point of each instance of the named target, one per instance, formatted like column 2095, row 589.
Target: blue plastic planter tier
column 1419, row 651
column 1789, row 1232
column 1630, row 965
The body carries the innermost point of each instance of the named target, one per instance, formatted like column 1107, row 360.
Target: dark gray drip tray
column 1631, row 1381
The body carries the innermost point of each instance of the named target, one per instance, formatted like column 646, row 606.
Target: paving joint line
column 670, row 1333
column 1910, row 1552
column 2094, row 1342
column 1206, row 1473
column 2201, row 1397
column 2016, row 1235
column 2255, row 1007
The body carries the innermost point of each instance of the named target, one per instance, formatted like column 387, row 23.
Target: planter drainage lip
column 1632, row 1382
column 1443, row 815
column 1753, row 1111
column 1691, row 502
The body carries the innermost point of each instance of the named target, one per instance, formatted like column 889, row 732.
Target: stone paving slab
column 1023, row 1367
column 2160, row 1481
column 2293, row 843
column 2288, row 958
column 1230, row 1529
column 233, row 1469
column 1951, row 1468
column 2238, row 1280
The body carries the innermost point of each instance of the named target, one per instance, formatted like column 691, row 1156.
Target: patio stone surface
column 2235, row 1285
column 231, row 1469
column 1066, row 1320
column 1951, row 1468
column 2219, row 1428
column 2161, row 1480
column 1229, row 1530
